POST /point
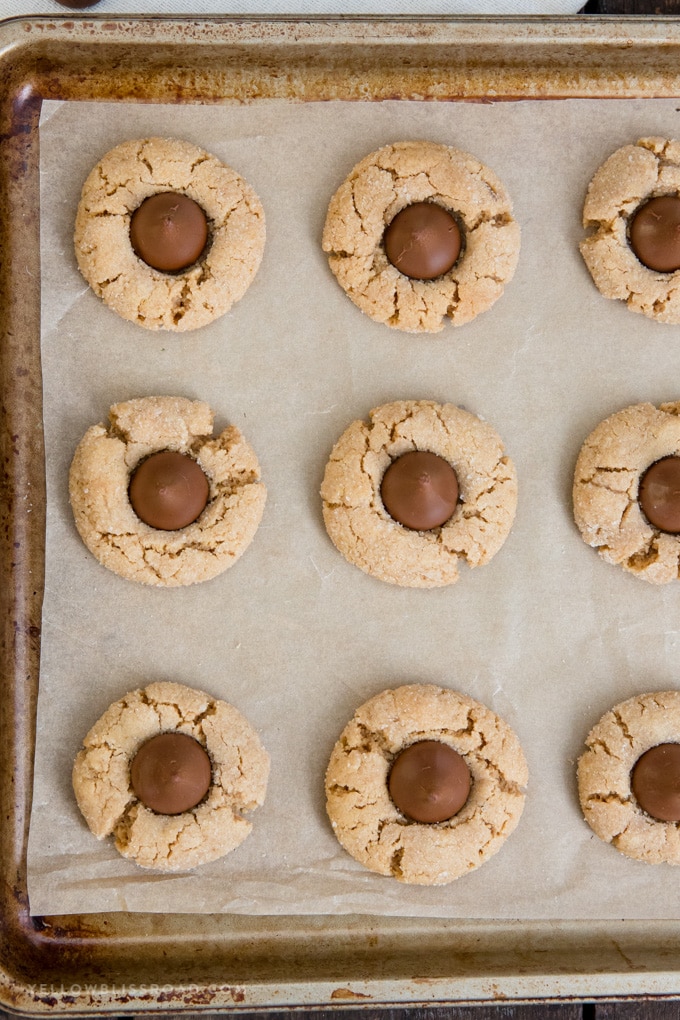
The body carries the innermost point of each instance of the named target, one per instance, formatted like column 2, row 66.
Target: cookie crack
column 359, row 809
column 112, row 187
column 208, row 712
column 623, row 726
column 341, row 789
column 595, row 477
column 438, row 410
column 198, row 161
column 371, row 739
column 660, row 303
column 602, row 744
column 493, row 831
column 360, row 221
column 182, row 303
column 471, row 512
column 106, row 214
column 158, row 706
column 493, row 219
column 614, row 524
column 106, row 745
column 109, row 281
column 618, row 837
column 144, row 160
column 397, row 426
column 122, row 830
column 395, row 863
column 653, row 701
column 467, row 730
column 454, row 301
column 167, row 556
column 198, row 546
column 241, row 478
column 506, row 785
column 646, row 557
column 608, row 798
column 194, row 719
column 173, row 844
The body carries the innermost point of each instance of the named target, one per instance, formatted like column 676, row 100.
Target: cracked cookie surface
column 103, row 790
column 365, row 819
column 360, row 526
column 120, row 182
column 614, row 744
column 606, row 482
column 384, row 183
column 631, row 175
column 100, row 476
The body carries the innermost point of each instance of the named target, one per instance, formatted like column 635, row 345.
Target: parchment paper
column 547, row 634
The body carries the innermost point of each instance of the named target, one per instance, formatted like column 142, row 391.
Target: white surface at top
column 451, row 8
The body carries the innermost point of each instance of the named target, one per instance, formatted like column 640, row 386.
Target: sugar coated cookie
column 127, row 788
column 423, row 552
column 463, row 744
column 420, row 233
column 184, row 522
column 633, row 204
column 629, row 778
column 167, row 235
column 627, row 490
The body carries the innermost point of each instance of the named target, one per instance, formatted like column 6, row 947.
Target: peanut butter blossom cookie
column 420, row 233
column 629, row 778
column 157, row 499
column 425, row 784
column 633, row 204
column 627, row 490
column 172, row 775
column 167, row 235
column 416, row 489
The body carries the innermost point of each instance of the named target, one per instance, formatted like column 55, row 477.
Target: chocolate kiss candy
column 171, row 773
column 168, row 490
column 659, row 495
column 423, row 241
column 655, row 233
column 420, row 490
column 655, row 782
column 429, row 781
column 168, row 231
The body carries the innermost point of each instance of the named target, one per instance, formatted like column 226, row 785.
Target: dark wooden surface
column 667, row 7
column 572, row 1011
column 568, row 1011
column 636, row 1010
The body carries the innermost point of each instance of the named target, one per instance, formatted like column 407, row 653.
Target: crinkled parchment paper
column 547, row 634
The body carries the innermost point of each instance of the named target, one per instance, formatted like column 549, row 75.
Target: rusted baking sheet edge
column 349, row 58
column 119, row 963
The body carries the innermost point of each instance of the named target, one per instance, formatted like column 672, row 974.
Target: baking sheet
column 547, row 635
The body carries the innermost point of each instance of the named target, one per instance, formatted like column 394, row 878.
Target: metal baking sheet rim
column 187, row 963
